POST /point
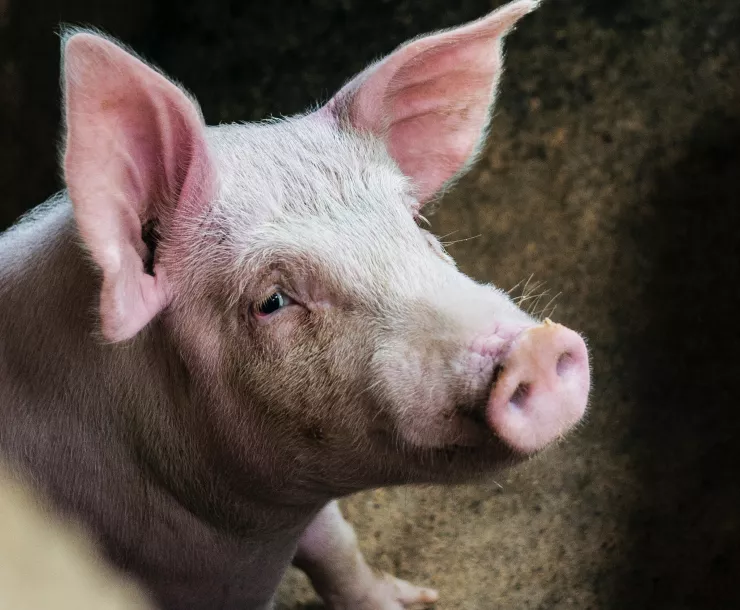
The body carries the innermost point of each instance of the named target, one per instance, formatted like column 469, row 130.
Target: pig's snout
column 541, row 388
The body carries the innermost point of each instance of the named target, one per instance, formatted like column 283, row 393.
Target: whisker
column 457, row 241
column 441, row 237
column 420, row 217
column 525, row 298
column 514, row 287
column 546, row 307
column 536, row 302
column 529, row 290
column 534, row 287
column 524, row 288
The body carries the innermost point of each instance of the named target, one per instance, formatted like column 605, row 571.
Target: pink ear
column 430, row 98
column 135, row 152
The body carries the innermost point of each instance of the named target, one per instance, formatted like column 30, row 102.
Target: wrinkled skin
column 218, row 330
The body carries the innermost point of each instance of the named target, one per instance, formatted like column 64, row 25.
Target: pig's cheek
column 473, row 373
column 279, row 332
column 416, row 406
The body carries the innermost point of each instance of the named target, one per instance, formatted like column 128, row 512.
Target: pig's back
column 42, row 300
column 57, row 397
column 48, row 406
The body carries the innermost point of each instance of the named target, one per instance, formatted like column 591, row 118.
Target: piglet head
column 335, row 342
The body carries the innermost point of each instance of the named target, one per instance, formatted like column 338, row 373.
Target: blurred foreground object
column 46, row 563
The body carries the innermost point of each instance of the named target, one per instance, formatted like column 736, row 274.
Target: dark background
column 613, row 174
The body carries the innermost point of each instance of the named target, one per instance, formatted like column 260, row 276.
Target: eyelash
column 273, row 302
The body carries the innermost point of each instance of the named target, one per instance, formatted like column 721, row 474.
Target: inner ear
column 430, row 100
column 150, row 237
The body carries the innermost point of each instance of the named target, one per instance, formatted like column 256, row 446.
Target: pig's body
column 222, row 329
column 110, row 432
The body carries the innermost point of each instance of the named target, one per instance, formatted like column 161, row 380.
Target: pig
column 50, row 564
column 214, row 333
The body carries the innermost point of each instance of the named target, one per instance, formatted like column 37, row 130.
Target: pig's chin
column 462, row 464
column 420, row 457
column 466, row 443
column 462, row 428
column 464, row 440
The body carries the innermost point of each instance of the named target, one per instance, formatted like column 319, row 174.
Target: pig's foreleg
column 330, row 556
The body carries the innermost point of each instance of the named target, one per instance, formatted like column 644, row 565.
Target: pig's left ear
column 430, row 99
column 135, row 154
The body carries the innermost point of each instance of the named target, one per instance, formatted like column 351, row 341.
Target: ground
column 612, row 174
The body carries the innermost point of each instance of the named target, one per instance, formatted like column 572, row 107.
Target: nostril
column 565, row 363
column 519, row 396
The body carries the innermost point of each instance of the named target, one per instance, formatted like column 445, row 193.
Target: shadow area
column 682, row 364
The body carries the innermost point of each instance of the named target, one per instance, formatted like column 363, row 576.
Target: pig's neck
column 119, row 437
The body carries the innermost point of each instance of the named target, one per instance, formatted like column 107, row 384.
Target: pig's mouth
column 470, row 456
column 473, row 415
column 481, row 445
column 484, row 439
column 476, row 461
column 475, row 410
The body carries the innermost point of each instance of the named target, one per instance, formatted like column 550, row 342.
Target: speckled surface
column 613, row 174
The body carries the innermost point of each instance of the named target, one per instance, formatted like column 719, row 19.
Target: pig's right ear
column 430, row 100
column 135, row 154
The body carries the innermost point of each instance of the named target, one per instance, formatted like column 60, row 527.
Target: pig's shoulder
column 36, row 235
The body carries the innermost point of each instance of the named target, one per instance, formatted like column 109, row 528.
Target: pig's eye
column 277, row 300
